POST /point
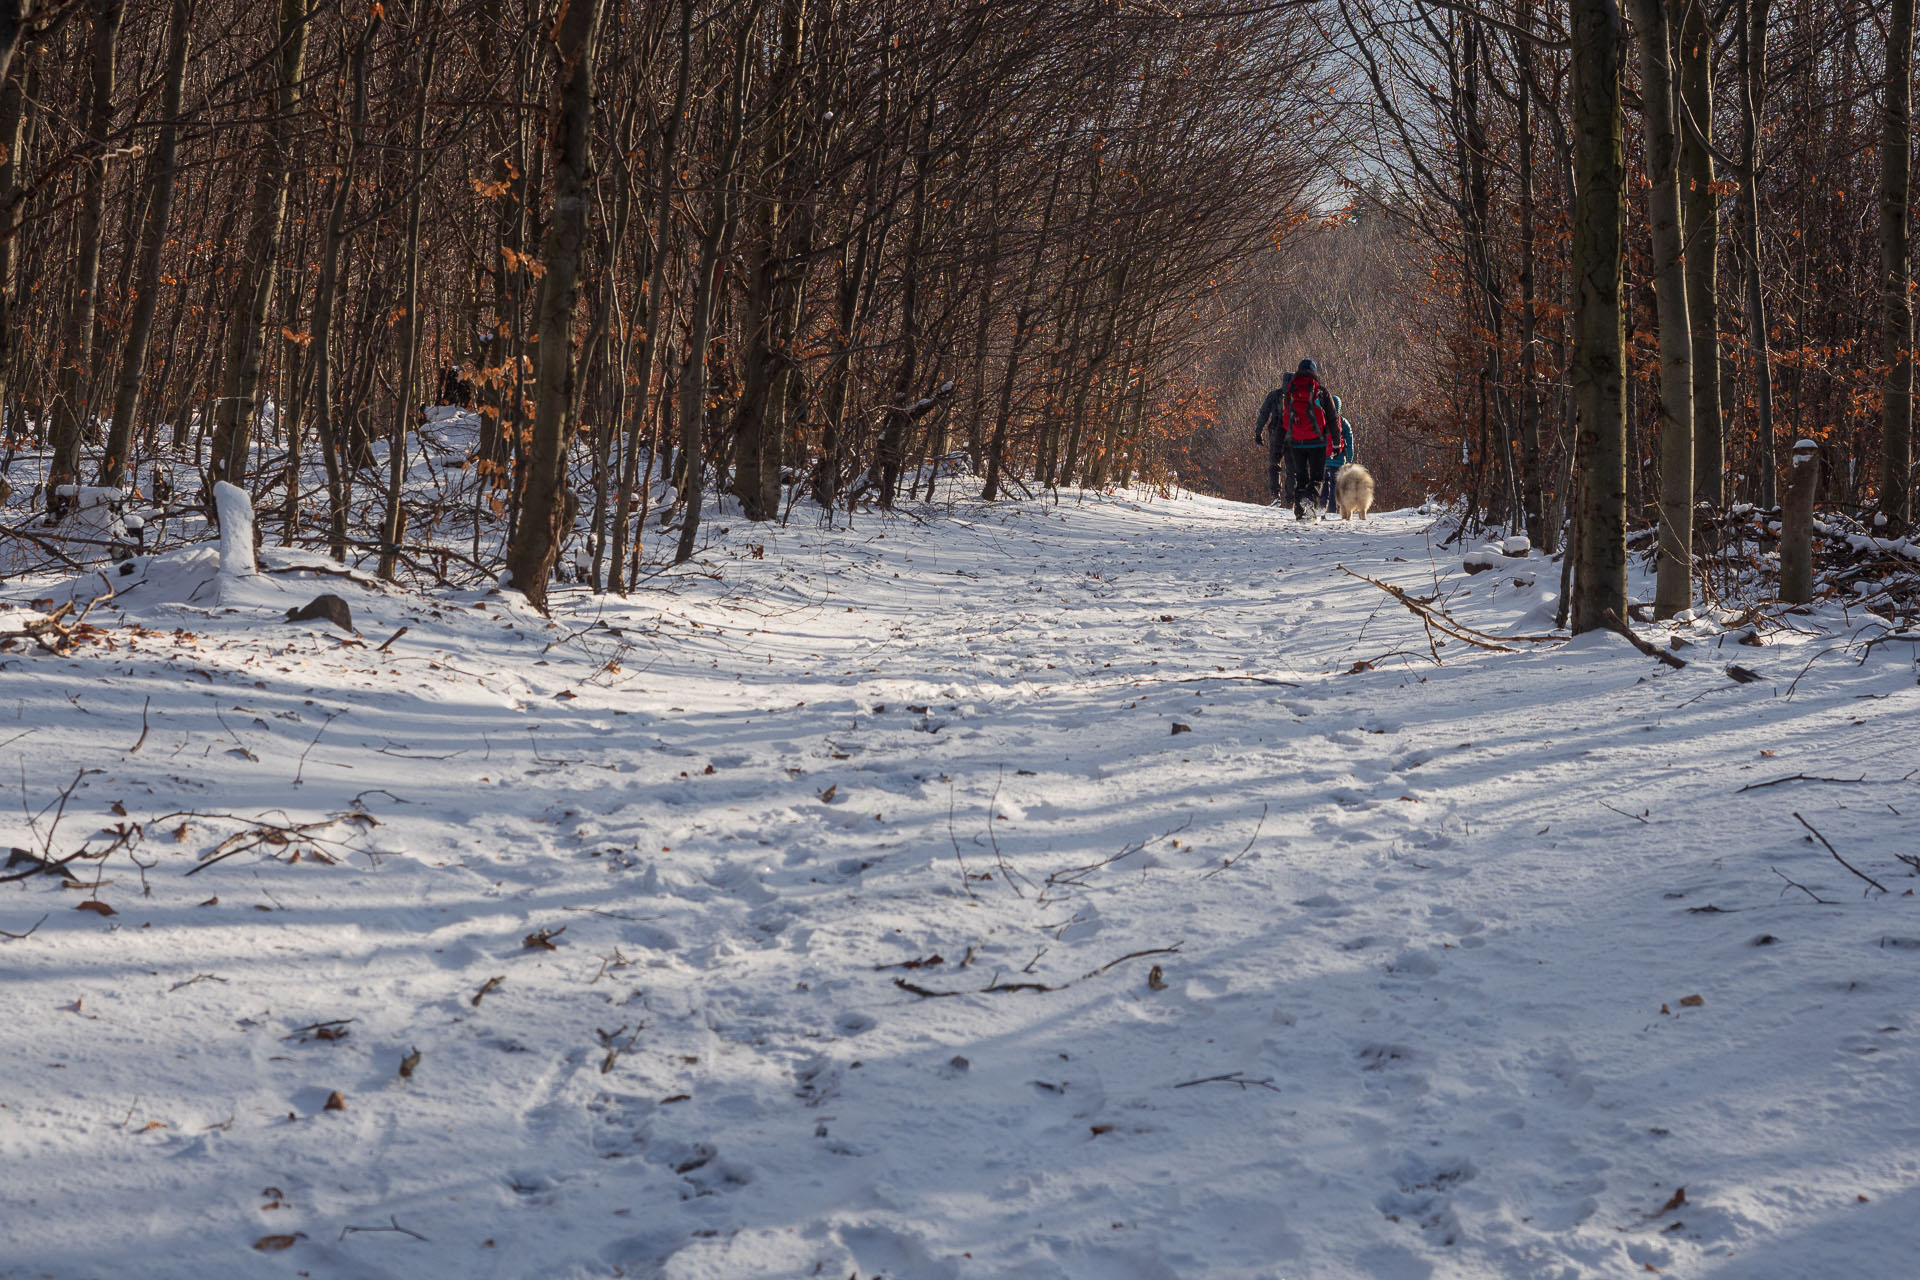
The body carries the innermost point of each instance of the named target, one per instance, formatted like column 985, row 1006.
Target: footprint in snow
column 1423, row 1195
column 853, row 1024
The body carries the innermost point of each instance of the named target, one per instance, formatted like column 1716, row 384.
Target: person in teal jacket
column 1336, row 460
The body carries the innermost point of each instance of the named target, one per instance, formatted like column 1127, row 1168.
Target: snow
column 1422, row 937
column 235, row 510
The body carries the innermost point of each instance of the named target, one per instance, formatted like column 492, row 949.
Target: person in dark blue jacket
column 1267, row 430
column 1336, row 460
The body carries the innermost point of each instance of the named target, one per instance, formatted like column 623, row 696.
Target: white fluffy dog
column 1353, row 490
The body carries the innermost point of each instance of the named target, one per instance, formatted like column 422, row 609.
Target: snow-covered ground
column 1111, row 890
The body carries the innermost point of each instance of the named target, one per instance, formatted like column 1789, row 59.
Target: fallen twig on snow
column 996, row 985
column 1071, row 875
column 1228, row 862
column 334, row 1030
column 1795, row 884
column 1798, row 777
column 395, row 1221
column 273, row 834
column 199, row 977
column 1442, row 621
column 142, row 741
column 1615, row 625
column 614, row 1051
column 1232, row 1077
column 28, row 934
column 1836, row 855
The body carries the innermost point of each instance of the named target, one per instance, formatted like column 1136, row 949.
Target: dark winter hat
column 1308, row 367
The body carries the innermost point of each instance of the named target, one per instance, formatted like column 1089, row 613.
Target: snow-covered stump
column 1796, row 525
column 235, row 512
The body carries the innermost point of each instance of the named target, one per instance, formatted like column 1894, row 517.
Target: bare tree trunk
column 693, row 380
column 1599, row 336
column 544, row 505
column 407, row 397
column 1796, row 525
column 891, row 455
column 1539, row 530
column 1753, row 59
column 1022, row 330
column 1896, row 299
column 1674, row 591
column 247, row 333
column 1702, row 226
column 13, row 119
column 72, row 412
column 325, row 298
column 153, row 242
column 654, row 313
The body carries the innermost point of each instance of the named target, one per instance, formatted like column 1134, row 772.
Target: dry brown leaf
column 150, row 1126
column 274, row 1244
column 96, row 906
column 1099, row 1129
column 1154, row 979
column 335, row 1102
column 408, row 1063
column 1674, row 1201
column 180, row 834
column 1692, row 1002
column 826, row 797
column 119, row 809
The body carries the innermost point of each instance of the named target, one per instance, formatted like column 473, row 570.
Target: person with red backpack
column 1307, row 417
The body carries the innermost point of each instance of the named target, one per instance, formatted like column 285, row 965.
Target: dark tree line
column 781, row 249
column 1675, row 238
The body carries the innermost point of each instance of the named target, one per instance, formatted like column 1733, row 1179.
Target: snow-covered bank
column 900, row 935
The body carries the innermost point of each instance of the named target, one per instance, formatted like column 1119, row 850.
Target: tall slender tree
column 1896, row 271
column 1599, row 331
column 545, row 506
column 1652, row 26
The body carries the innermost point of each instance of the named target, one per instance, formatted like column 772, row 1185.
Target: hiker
column 1267, row 430
column 1308, row 418
column 1337, row 457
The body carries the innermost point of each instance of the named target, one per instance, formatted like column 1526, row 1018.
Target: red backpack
column 1306, row 420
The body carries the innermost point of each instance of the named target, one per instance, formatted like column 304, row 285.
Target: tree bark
column 1674, row 591
column 153, row 242
column 247, row 332
column 339, row 200
column 1599, row 334
column 13, row 119
column 1700, row 210
column 544, row 505
column 1753, row 85
column 72, row 409
column 407, row 398
column 1796, row 526
column 1896, row 298
column 693, row 379
column 654, row 313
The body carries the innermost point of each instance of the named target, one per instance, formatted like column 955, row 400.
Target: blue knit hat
column 1308, row 367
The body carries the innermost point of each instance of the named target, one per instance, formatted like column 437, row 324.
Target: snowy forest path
column 1111, row 888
